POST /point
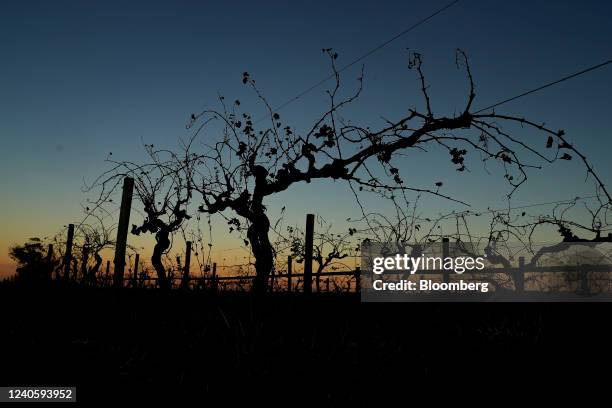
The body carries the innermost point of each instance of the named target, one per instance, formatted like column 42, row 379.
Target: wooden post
column 585, row 287
column 358, row 279
column 308, row 253
column 136, row 262
column 187, row 264
column 84, row 260
column 107, row 272
column 75, row 268
column 289, row 272
column 272, row 280
column 327, row 285
column 122, row 230
column 68, row 254
column 520, row 276
column 50, row 260
column 214, row 277
column 445, row 254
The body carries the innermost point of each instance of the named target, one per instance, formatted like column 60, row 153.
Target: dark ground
column 144, row 344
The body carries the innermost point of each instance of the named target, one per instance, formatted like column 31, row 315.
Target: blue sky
column 81, row 79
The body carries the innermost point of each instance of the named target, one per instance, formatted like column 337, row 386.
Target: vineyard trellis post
column 122, row 230
column 186, row 268
column 272, row 277
column 136, row 263
column 445, row 254
column 358, row 279
column 289, row 272
column 585, row 288
column 214, row 277
column 519, row 279
column 84, row 260
column 68, row 254
column 308, row 247
column 50, row 260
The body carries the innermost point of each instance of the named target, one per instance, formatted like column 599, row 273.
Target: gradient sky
column 81, row 79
